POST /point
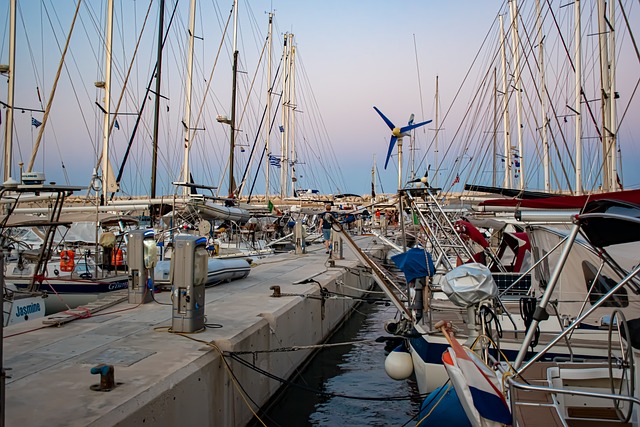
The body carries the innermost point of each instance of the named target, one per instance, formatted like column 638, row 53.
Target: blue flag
column 35, row 122
column 117, row 125
column 274, row 161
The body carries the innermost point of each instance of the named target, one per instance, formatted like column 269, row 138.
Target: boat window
column 603, row 285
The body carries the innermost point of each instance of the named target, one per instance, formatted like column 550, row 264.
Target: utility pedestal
column 298, row 237
column 189, row 268
column 337, row 250
column 142, row 255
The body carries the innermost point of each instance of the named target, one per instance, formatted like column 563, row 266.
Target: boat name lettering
column 118, row 285
column 34, row 307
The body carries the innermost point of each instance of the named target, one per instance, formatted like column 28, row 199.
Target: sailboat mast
column 515, row 43
column 107, row 102
column 285, row 115
column 606, row 32
column 8, row 130
column 435, row 155
column 578, row 90
column 232, row 186
column 156, row 115
column 505, row 102
column 268, row 126
column 495, row 127
column 399, row 162
column 292, row 119
column 613, row 124
column 187, row 107
column 543, row 100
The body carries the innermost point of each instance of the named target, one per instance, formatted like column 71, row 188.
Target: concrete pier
column 168, row 379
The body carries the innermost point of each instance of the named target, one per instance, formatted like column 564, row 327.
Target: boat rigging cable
column 144, row 102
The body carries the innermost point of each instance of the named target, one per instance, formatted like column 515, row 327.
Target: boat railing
column 513, row 383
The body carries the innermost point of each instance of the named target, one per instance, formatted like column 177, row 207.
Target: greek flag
column 35, row 122
column 274, row 161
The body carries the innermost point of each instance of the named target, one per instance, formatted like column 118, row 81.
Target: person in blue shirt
column 325, row 225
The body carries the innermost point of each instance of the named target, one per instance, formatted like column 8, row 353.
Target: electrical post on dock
column 189, row 266
column 298, row 237
column 337, row 250
column 142, row 256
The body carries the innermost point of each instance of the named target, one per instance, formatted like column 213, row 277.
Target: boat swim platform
column 170, row 379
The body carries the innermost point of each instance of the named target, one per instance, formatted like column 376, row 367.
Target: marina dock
column 167, row 379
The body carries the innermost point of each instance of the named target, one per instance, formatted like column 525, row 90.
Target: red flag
column 457, row 180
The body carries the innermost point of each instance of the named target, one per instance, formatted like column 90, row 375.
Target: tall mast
column 608, row 142
column 285, row 118
column 578, row 90
column 515, row 43
column 613, row 124
column 232, row 185
column 435, row 178
column 292, row 119
column 154, row 161
column 400, row 162
column 268, row 126
column 187, row 107
column 8, row 130
column 495, row 127
column 106, row 176
column 505, row 102
column 543, row 100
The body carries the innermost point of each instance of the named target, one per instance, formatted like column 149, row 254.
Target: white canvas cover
column 469, row 284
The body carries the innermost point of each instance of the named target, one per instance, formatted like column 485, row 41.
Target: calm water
column 353, row 370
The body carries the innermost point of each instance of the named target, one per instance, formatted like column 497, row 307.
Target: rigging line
column 264, row 150
column 53, row 91
column 242, row 115
column 314, row 103
column 582, row 93
column 141, row 109
column 415, row 50
column 552, row 106
column 635, row 47
column 124, row 85
column 273, row 120
column 458, row 92
column 213, row 68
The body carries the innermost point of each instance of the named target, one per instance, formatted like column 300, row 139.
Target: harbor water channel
column 346, row 385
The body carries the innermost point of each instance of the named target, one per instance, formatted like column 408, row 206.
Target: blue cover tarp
column 413, row 263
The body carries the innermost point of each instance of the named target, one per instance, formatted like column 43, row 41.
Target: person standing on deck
column 325, row 225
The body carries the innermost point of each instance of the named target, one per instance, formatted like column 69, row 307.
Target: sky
column 351, row 56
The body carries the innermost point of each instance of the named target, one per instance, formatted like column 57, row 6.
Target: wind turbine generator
column 396, row 135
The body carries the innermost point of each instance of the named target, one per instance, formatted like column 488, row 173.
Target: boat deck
column 165, row 378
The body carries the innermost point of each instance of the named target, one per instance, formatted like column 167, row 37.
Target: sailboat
column 587, row 276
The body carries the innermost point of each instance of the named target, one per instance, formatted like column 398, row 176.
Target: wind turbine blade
column 386, row 120
column 392, row 143
column 410, row 127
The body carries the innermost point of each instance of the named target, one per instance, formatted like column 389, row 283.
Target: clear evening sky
column 352, row 55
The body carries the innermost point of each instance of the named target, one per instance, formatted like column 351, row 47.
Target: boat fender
column 398, row 364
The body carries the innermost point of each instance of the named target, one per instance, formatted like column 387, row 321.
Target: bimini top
column 610, row 222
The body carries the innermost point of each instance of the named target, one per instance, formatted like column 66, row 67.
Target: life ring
column 67, row 260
